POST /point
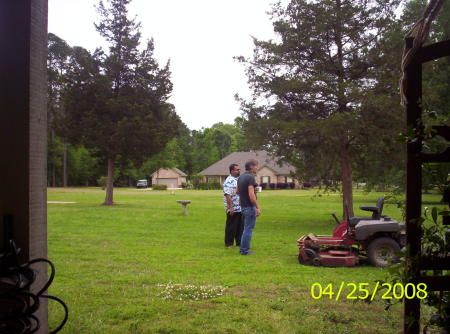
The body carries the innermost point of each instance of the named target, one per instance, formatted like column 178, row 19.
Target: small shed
column 171, row 177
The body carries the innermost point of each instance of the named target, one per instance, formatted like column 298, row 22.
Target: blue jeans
column 249, row 217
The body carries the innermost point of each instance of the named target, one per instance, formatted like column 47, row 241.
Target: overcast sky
column 199, row 36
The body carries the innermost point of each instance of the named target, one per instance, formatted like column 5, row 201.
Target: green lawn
column 114, row 264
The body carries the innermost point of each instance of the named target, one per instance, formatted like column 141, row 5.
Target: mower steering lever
column 335, row 218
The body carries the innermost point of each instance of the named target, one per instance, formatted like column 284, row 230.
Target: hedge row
column 159, row 187
column 279, row 185
column 209, row 186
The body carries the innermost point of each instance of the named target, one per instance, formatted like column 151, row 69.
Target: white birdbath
column 184, row 203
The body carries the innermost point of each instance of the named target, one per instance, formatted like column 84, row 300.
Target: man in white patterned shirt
column 234, row 225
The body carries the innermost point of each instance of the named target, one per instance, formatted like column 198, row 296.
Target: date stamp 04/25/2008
column 363, row 291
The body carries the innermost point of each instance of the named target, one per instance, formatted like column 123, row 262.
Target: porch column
column 23, row 131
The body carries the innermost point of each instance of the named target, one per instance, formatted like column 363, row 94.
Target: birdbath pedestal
column 184, row 204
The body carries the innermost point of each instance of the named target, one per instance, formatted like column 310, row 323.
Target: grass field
column 121, row 269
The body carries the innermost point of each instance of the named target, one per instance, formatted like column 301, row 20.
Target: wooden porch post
column 413, row 189
column 23, row 131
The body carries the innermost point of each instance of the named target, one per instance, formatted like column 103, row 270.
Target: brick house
column 269, row 169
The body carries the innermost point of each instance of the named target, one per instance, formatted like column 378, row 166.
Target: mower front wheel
column 381, row 251
column 313, row 258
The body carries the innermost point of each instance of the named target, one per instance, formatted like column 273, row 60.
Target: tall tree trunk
column 346, row 163
column 346, row 176
column 64, row 173
column 110, row 183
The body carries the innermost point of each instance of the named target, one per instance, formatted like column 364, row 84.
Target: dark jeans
column 233, row 229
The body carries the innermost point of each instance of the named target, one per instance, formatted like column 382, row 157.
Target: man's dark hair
column 249, row 164
column 232, row 167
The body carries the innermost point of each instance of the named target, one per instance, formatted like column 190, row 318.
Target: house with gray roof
column 270, row 171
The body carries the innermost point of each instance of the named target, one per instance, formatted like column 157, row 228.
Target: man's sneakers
column 248, row 253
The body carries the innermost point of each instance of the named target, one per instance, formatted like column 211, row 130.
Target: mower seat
column 376, row 213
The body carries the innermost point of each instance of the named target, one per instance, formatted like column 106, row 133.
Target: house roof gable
column 221, row 167
column 179, row 171
column 176, row 170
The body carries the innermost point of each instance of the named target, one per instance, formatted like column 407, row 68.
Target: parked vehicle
column 142, row 183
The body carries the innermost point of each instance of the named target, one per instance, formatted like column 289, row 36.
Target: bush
column 209, row 186
column 264, row 186
column 159, row 187
column 282, row 185
column 195, row 180
column 272, row 185
column 306, row 185
column 186, row 185
column 101, row 181
column 291, row 185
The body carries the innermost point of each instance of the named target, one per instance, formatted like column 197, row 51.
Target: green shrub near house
column 209, row 186
column 159, row 187
column 187, row 185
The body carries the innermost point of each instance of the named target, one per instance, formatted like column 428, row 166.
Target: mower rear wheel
column 381, row 251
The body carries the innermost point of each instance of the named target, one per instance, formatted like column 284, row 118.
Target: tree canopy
column 312, row 84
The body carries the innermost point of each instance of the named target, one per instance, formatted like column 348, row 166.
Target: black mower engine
column 381, row 236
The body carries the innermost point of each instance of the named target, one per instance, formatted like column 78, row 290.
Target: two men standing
column 233, row 226
column 243, row 189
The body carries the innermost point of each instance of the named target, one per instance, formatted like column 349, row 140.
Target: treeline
column 74, row 162
column 196, row 150
column 108, row 114
column 325, row 99
column 191, row 152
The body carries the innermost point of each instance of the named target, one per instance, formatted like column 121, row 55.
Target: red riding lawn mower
column 378, row 237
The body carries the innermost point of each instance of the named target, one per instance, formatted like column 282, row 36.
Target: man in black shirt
column 249, row 204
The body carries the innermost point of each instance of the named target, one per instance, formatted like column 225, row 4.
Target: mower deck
column 328, row 255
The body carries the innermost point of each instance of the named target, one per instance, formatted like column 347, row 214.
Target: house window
column 212, row 179
column 289, row 179
column 265, row 179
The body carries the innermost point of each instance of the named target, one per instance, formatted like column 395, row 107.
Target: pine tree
column 312, row 81
column 117, row 103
